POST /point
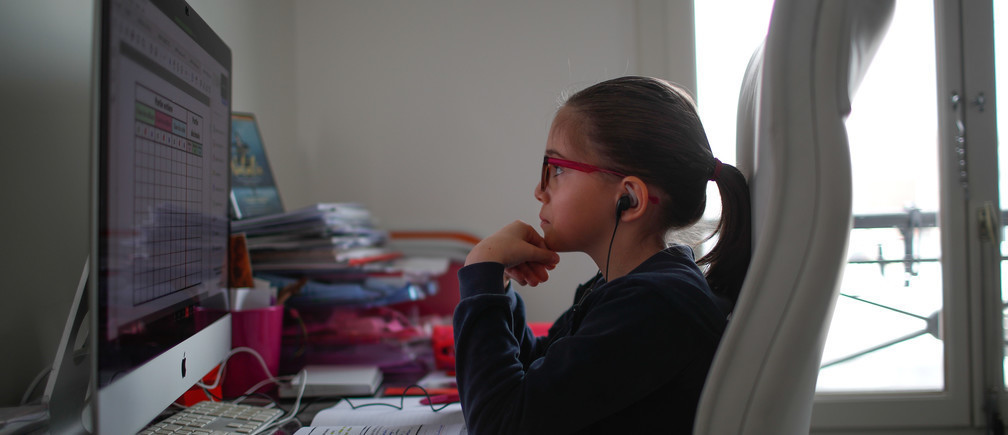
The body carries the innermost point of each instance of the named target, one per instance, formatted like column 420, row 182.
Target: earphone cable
column 604, row 277
column 609, row 253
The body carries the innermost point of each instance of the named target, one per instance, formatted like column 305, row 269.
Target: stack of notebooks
column 341, row 253
column 327, row 238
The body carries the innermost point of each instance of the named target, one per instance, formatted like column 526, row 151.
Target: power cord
column 294, row 411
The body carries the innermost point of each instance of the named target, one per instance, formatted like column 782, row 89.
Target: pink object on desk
column 258, row 329
column 440, row 399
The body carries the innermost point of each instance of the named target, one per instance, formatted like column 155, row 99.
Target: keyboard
column 215, row 418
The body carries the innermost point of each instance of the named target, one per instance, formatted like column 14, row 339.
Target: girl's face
column 578, row 208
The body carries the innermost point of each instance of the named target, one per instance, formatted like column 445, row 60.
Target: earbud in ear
column 625, row 202
column 622, row 204
column 632, row 195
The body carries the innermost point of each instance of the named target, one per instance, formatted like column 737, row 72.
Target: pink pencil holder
column 258, row 329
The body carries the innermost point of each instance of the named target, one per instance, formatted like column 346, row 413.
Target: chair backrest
column 793, row 147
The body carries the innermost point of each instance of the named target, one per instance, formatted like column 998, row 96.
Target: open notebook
column 369, row 418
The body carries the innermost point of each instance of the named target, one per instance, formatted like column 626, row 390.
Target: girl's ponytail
column 728, row 262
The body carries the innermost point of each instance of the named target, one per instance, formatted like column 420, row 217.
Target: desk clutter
column 352, row 293
column 354, row 311
column 359, row 304
column 336, row 256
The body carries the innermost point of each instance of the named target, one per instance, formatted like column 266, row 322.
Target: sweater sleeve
column 485, row 279
column 579, row 379
column 490, row 328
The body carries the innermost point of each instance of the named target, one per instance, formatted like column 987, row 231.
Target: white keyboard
column 215, row 418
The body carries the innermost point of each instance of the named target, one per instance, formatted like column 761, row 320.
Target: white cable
column 277, row 380
column 294, row 411
column 220, row 371
column 217, row 379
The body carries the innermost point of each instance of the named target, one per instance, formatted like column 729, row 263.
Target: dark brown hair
column 650, row 128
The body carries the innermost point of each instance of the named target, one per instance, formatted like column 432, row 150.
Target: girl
column 626, row 161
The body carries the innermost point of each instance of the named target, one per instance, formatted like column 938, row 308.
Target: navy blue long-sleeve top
column 630, row 355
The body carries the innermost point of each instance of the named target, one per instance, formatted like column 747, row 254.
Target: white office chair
column 793, row 147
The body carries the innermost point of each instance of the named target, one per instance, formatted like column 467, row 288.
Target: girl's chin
column 552, row 244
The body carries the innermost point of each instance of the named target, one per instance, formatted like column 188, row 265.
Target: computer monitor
column 160, row 209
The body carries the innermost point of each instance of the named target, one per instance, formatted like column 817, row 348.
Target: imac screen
column 161, row 207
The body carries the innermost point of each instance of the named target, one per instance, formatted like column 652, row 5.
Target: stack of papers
column 344, row 256
column 316, row 220
column 324, row 236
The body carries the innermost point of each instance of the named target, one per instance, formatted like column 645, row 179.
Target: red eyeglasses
column 577, row 166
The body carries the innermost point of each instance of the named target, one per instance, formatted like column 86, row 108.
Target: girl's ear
column 629, row 206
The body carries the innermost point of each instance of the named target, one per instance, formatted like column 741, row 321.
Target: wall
column 433, row 114
column 260, row 34
column 45, row 119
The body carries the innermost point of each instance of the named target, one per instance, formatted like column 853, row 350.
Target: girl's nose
column 539, row 193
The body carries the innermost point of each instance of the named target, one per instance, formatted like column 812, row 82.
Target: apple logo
column 183, row 364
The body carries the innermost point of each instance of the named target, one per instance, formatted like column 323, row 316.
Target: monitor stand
column 68, row 392
column 65, row 406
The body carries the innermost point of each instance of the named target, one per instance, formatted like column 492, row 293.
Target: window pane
column 721, row 62
column 885, row 332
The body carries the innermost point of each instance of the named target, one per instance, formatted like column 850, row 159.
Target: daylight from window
column 884, row 334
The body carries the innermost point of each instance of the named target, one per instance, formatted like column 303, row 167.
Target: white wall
column 45, row 113
column 260, row 34
column 434, row 114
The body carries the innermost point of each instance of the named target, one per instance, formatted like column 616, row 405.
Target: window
column 884, row 332
column 901, row 350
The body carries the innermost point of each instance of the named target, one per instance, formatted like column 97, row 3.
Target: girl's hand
column 521, row 250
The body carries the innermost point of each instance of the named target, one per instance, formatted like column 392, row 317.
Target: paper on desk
column 414, row 418
column 376, row 430
column 263, row 295
column 438, row 379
